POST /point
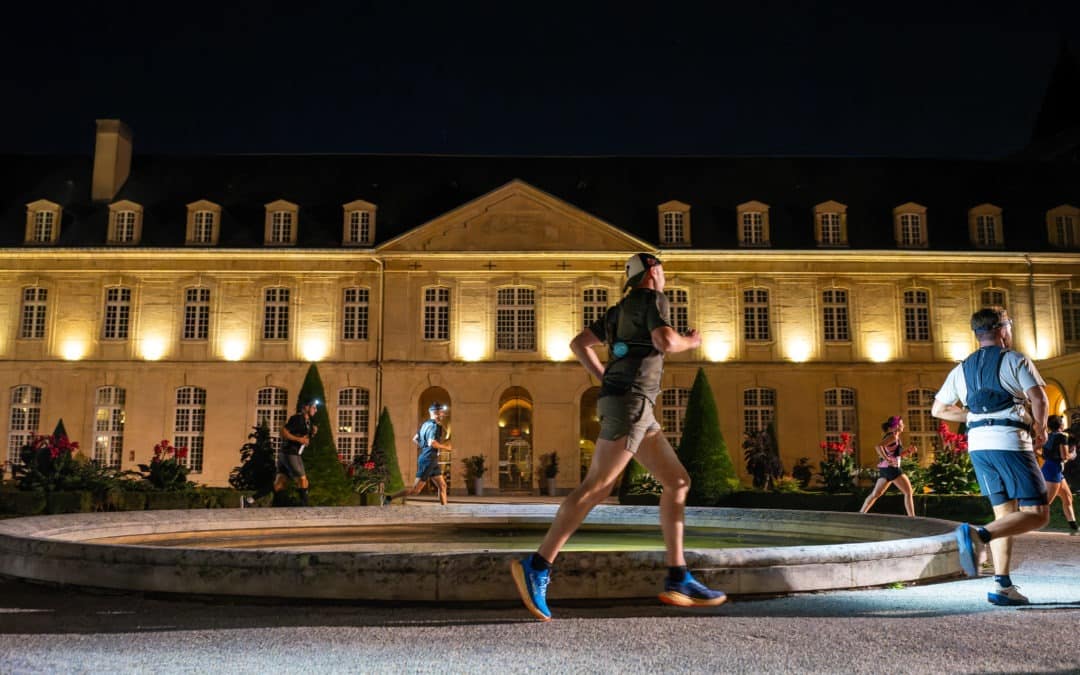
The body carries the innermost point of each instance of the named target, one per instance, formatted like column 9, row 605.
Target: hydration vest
column 983, row 379
column 621, row 347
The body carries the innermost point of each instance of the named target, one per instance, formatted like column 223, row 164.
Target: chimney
column 112, row 159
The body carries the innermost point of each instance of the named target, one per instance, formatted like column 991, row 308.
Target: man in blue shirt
column 430, row 440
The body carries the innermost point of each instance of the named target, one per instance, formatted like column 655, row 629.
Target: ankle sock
column 1072, row 525
column 984, row 535
column 538, row 563
column 1003, row 580
column 677, row 573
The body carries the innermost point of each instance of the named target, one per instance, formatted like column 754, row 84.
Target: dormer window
column 1063, row 226
column 125, row 223
column 42, row 222
column 753, row 223
column 984, row 226
column 359, row 223
column 830, row 224
column 909, row 225
column 281, row 223
column 203, row 223
column 674, row 223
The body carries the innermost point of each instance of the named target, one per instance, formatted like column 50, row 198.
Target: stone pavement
column 942, row 627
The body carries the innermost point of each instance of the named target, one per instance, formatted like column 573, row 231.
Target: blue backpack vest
column 982, row 376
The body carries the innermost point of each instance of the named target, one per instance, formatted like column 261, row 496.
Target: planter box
column 167, row 500
column 30, row 503
column 69, row 502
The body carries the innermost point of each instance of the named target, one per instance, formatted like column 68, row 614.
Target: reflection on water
column 455, row 537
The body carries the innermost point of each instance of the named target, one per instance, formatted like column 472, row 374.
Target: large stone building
column 147, row 297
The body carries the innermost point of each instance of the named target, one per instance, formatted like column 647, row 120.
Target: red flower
column 369, row 466
column 181, row 452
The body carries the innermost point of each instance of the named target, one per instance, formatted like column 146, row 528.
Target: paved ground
column 944, row 627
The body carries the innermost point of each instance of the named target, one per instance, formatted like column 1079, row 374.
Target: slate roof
column 410, row 190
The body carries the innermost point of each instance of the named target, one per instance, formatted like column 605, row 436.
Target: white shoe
column 1007, row 596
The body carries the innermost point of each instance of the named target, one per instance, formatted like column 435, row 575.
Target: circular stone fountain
column 424, row 553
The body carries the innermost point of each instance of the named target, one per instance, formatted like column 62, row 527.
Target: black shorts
column 890, row 472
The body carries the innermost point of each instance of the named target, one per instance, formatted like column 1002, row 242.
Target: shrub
column 702, row 449
column 474, row 467
column 951, row 471
column 257, row 466
column 838, row 469
column 549, row 464
column 165, row 471
column 329, row 484
column 763, row 457
column 803, row 472
column 384, row 453
column 645, row 484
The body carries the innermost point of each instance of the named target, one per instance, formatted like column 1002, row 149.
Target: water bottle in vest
column 982, row 376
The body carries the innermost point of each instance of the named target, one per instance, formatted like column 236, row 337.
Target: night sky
column 945, row 79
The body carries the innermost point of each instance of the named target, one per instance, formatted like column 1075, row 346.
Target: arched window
column 109, row 421
column 515, row 440
column 353, row 417
column 190, row 425
column 24, row 418
column 920, row 426
column 272, row 409
column 673, row 413
column 446, row 457
column 840, row 415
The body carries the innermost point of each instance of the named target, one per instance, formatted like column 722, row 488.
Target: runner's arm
column 1039, row 405
column 667, row 340
column 582, row 346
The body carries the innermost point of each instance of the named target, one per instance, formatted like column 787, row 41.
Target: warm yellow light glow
column 472, row 348
column 234, row 349
column 958, row 351
column 1061, row 407
column 1042, row 349
column 558, row 347
column 717, row 348
column 314, row 348
column 73, row 349
column 798, row 349
column 153, row 348
column 880, row 351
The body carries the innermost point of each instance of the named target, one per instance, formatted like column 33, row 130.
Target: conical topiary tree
column 257, row 463
column 702, row 449
column 60, row 431
column 329, row 484
column 384, row 453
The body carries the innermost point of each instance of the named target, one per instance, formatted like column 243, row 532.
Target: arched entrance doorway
column 515, row 440
column 1055, row 397
column 431, row 395
column 589, row 427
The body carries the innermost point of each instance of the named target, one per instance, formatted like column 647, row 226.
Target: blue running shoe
column 532, row 586
column 966, row 548
column 1007, row 596
column 691, row 593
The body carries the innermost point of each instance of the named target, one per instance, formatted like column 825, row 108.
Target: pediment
column 909, row 207
column 515, row 217
column 673, row 205
column 359, row 205
column 125, row 205
column 752, row 205
column 282, row 205
column 204, row 205
column 42, row 205
column 831, row 206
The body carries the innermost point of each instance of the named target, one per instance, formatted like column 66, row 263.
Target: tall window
column 32, row 320
column 281, row 223
column 190, row 425
column 203, row 233
column 276, row 314
column 840, row 415
column 360, row 227
column 920, row 425
column 753, row 228
column 756, row 314
column 986, row 231
column 515, row 320
column 674, row 227
column 1065, row 229
column 353, row 415
column 911, row 230
column 1070, row 315
column 354, row 314
column 831, row 234
column 24, row 420
column 992, row 297
column 117, row 313
column 43, row 226
column 917, row 315
column 196, row 313
column 124, row 227
column 679, row 303
column 673, row 413
column 759, row 408
column 835, row 315
column 109, row 426
column 437, row 313
column 272, row 409
column 593, row 305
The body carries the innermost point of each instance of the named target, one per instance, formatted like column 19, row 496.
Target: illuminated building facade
column 148, row 297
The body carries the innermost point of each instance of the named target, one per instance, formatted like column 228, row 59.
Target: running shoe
column 690, row 593
column 532, row 586
column 969, row 558
column 1007, row 596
